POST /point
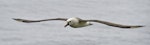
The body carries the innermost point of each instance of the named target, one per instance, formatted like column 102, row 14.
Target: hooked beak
column 66, row 24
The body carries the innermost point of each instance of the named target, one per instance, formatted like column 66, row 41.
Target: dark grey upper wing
column 32, row 21
column 114, row 24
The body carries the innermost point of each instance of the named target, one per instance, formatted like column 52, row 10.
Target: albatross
column 76, row 22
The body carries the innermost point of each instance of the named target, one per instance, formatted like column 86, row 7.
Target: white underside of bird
column 77, row 22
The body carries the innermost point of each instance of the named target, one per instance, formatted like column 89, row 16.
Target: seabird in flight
column 77, row 22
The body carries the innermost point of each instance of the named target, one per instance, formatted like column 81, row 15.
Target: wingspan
column 32, row 21
column 114, row 24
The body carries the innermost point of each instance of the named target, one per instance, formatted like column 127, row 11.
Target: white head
column 72, row 21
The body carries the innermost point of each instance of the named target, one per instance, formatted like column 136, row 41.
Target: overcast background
column 128, row 12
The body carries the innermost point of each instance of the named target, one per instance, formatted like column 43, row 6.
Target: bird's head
column 71, row 21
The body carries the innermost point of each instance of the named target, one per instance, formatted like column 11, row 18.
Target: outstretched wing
column 114, row 24
column 32, row 21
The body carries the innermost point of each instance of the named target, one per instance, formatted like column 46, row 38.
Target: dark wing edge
column 114, row 24
column 32, row 21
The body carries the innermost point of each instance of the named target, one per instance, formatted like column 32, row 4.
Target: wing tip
column 21, row 20
column 17, row 19
column 130, row 27
column 136, row 26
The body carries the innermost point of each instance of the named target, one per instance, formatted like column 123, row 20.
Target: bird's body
column 77, row 22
